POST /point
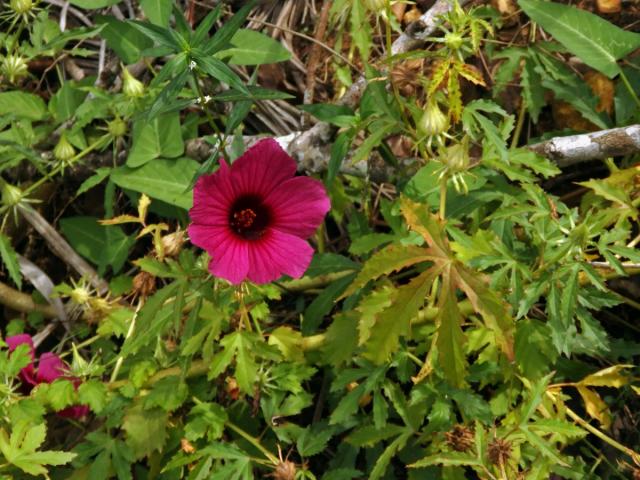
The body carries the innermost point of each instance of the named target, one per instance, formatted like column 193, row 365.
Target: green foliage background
column 465, row 324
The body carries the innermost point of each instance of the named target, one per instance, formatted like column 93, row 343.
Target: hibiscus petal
column 50, row 368
column 76, row 412
column 299, row 206
column 262, row 168
column 212, row 197
column 277, row 254
column 230, row 259
column 207, row 237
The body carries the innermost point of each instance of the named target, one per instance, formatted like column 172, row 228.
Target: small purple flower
column 50, row 368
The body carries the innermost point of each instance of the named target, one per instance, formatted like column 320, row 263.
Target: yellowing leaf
column 387, row 260
column 596, row 408
column 143, row 206
column 120, row 219
column 608, row 377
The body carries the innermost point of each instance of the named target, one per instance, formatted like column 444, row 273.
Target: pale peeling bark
column 565, row 151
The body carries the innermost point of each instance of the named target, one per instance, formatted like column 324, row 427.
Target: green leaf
column 339, row 151
column 20, row 449
column 18, row 104
column 123, row 38
column 220, row 71
column 394, row 322
column 102, row 245
column 254, row 48
column 93, row 4
column 383, row 461
column 168, row 393
column 99, row 175
column 597, row 42
column 323, row 304
column 325, row 263
column 448, row 459
column 341, row 339
column 146, row 430
column 314, row 439
column 166, row 180
column 241, row 345
column 206, row 419
column 387, row 260
column 161, row 137
column 450, row 340
column 93, row 393
column 534, row 353
column 10, row 260
column 228, row 29
column 157, row 11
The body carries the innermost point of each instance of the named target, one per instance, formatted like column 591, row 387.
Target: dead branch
column 573, row 149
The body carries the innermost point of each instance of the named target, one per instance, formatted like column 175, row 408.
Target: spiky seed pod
column 144, row 284
column 457, row 156
column 14, row 67
column 433, row 122
column 285, row 470
column 499, row 451
column 172, row 243
column 460, row 438
column 80, row 295
column 64, row 151
column 11, row 195
column 117, row 127
column 21, row 7
column 131, row 86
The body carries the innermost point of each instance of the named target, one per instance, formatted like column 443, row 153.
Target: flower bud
column 117, row 127
column 14, row 67
column 11, row 195
column 64, row 151
column 80, row 295
column 131, row 86
column 457, row 156
column 453, row 40
column 21, row 6
column 285, row 470
column 144, row 284
column 433, row 122
column 172, row 243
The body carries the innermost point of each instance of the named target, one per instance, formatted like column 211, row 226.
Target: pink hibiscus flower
column 50, row 368
column 254, row 217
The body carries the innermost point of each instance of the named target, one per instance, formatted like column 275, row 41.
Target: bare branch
column 574, row 149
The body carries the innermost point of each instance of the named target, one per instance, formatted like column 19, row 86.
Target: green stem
column 443, row 197
column 517, row 132
column 132, row 327
column 629, row 88
column 222, row 138
column 253, row 441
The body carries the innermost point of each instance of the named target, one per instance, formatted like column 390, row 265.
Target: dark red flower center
column 249, row 217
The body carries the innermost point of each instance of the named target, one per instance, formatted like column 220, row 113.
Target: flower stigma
column 249, row 217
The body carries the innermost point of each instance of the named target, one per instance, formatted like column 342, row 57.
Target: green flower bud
column 131, row 86
column 64, row 151
column 456, row 157
column 433, row 122
column 11, row 195
column 117, row 127
column 453, row 40
column 14, row 67
column 21, row 6
column 80, row 295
